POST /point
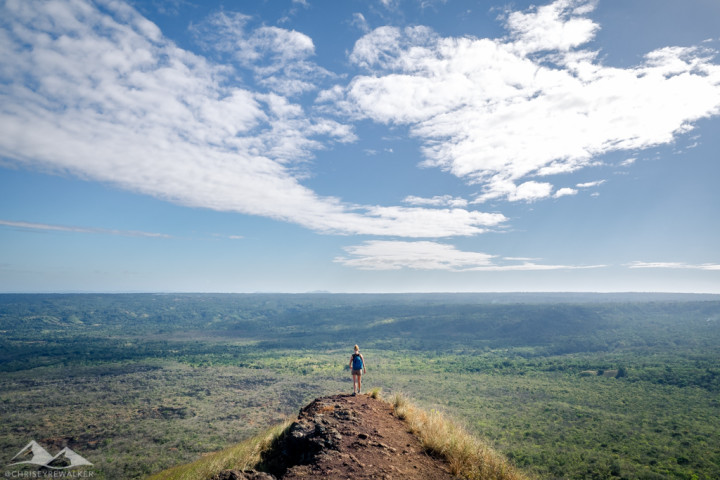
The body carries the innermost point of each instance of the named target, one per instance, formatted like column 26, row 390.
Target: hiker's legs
column 356, row 381
column 359, row 382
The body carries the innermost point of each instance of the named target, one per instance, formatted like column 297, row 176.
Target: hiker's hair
column 357, row 348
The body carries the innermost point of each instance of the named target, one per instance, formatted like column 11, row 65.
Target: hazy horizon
column 549, row 295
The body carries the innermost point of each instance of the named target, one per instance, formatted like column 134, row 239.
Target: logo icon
column 33, row 453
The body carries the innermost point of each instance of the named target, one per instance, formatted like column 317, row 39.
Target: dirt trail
column 348, row 437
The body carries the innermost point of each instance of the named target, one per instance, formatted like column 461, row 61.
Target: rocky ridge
column 346, row 437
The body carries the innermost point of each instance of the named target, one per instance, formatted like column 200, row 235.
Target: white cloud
column 73, row 229
column 360, row 22
column 675, row 265
column 529, row 191
column 103, row 96
column 596, row 183
column 384, row 47
column 170, row 7
column 436, row 201
column 279, row 58
column 423, row 222
column 558, row 26
column 395, row 255
column 497, row 111
column 388, row 3
column 425, row 255
column 563, row 192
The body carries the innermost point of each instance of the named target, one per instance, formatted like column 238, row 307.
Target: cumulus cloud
column 559, row 26
column 426, row 255
column 535, row 103
column 101, row 94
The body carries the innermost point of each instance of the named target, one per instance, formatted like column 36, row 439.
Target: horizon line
column 327, row 292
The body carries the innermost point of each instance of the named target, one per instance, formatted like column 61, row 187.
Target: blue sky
column 359, row 146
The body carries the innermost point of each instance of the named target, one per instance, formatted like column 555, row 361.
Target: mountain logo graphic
column 34, row 454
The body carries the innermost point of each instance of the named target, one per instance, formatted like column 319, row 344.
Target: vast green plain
column 566, row 385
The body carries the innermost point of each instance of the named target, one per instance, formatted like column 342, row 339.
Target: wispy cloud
column 359, row 21
column 436, row 201
column 73, row 229
column 395, row 255
column 229, row 237
column 675, row 265
column 425, row 255
column 103, row 95
column 279, row 58
column 535, row 103
column 596, row 183
column 170, row 7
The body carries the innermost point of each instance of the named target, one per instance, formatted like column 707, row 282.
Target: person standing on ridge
column 357, row 367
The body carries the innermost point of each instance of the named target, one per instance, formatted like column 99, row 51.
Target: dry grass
column 468, row 456
column 242, row 456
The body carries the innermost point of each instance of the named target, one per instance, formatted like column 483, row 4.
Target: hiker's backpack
column 357, row 362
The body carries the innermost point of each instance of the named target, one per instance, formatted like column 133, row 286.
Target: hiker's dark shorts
column 357, row 372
